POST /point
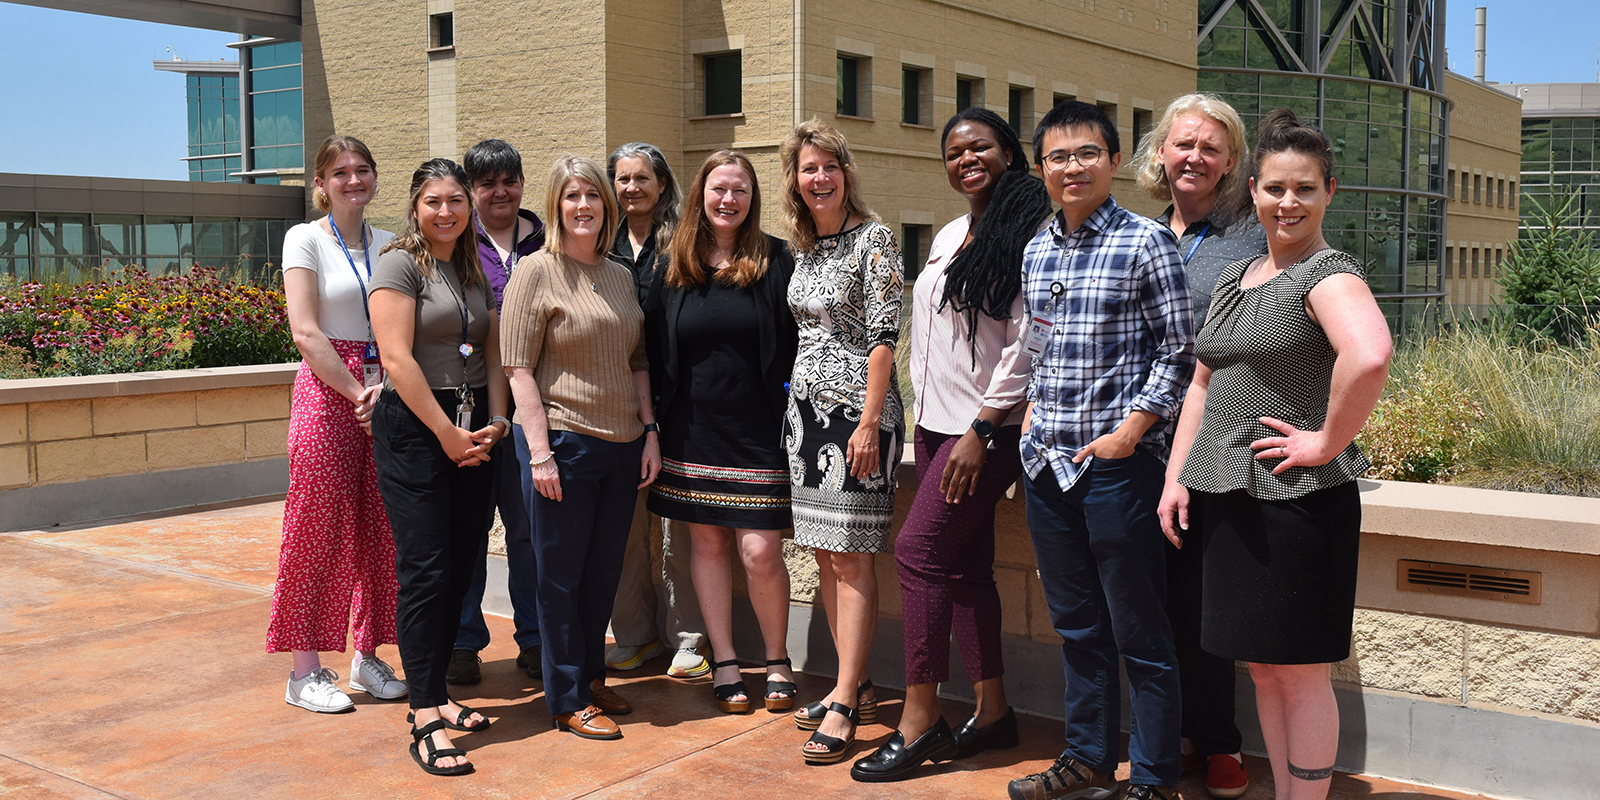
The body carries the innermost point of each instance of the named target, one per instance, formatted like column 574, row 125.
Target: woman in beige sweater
column 574, row 348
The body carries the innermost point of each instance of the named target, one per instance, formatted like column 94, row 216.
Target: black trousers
column 1207, row 680
column 440, row 514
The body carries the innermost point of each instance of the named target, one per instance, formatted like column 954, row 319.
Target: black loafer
column 998, row 735
column 896, row 761
column 463, row 669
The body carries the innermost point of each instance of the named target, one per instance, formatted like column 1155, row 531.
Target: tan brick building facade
column 561, row 76
column 1481, row 181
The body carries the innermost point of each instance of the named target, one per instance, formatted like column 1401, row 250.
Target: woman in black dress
column 721, row 345
column 1292, row 359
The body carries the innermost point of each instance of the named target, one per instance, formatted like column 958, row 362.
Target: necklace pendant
column 595, row 287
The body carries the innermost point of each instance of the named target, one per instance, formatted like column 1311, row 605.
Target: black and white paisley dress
column 845, row 295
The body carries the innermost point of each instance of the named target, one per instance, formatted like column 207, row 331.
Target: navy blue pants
column 510, row 466
column 1102, row 562
column 578, row 544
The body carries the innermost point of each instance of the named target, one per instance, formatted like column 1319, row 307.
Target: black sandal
column 724, row 693
column 786, row 690
column 866, row 710
column 458, row 724
column 837, row 748
column 435, row 752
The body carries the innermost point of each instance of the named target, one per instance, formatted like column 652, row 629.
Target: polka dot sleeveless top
column 1267, row 359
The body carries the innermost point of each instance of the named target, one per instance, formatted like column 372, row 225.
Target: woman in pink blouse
column 970, row 376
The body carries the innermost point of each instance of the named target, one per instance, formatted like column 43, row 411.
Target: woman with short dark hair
column 1292, row 360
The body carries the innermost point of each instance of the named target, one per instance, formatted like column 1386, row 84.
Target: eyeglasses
column 1086, row 157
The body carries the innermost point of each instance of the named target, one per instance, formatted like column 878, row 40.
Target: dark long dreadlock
column 987, row 275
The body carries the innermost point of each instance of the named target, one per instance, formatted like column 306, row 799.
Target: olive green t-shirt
column 436, row 339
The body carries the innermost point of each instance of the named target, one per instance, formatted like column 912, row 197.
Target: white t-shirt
column 340, row 313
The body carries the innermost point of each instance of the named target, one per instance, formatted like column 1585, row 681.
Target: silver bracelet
column 547, row 457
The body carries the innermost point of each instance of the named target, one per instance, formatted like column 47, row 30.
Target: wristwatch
column 984, row 428
column 652, row 427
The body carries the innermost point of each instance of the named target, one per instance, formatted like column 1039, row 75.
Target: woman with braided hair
column 970, row 378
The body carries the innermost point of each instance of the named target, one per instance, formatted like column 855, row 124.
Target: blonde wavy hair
column 568, row 168
column 1150, row 174
column 829, row 140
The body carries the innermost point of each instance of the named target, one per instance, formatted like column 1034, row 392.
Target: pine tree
column 1551, row 275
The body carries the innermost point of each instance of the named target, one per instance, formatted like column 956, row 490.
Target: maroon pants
column 945, row 555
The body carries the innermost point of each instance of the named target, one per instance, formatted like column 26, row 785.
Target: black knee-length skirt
column 1280, row 576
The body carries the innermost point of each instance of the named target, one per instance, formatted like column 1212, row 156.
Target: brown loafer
column 589, row 723
column 607, row 698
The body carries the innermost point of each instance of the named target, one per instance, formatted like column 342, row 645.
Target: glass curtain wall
column 213, row 127
column 1560, row 158
column 73, row 248
column 277, row 122
column 1368, row 73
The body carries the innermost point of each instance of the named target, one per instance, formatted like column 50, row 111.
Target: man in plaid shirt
column 1112, row 340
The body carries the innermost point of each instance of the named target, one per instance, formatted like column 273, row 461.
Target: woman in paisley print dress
column 844, row 422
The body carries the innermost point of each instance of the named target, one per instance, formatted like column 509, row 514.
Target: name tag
column 1038, row 337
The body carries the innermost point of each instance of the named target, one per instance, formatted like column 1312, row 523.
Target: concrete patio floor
column 133, row 650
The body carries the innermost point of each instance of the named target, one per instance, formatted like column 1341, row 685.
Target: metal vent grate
column 1461, row 580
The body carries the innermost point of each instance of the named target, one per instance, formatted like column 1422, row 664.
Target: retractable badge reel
column 371, row 367
column 464, row 395
column 1040, row 326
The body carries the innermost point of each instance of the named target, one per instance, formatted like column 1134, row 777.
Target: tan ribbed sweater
column 581, row 331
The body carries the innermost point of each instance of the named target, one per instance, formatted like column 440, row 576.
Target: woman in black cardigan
column 715, row 320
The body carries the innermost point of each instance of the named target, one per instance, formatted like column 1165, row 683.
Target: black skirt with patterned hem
column 832, row 510
column 732, row 497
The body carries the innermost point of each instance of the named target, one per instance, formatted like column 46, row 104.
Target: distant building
column 1561, row 146
column 1481, row 182
column 256, row 100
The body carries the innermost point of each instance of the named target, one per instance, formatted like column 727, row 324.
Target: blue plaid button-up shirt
column 1123, row 338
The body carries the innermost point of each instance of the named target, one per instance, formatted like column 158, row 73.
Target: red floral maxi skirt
column 337, row 549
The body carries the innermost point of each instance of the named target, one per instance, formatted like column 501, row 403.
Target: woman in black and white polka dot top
column 1292, row 358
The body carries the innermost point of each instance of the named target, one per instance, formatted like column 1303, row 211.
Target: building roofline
column 196, row 67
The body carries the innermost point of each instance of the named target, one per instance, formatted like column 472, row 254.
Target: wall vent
column 1461, row 580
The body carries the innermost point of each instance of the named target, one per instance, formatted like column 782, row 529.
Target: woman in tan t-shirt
column 441, row 411
column 574, row 348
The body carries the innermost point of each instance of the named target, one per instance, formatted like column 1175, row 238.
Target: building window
column 1449, row 262
column 1019, row 111
column 213, row 127
column 1110, row 110
column 1466, row 194
column 914, row 243
column 1058, row 99
column 1477, row 195
column 854, row 86
column 916, row 102
column 969, row 93
column 1474, row 262
column 1143, row 122
column 277, row 131
column 723, row 83
column 1500, row 194
column 442, row 30
column 1511, row 199
column 1450, row 186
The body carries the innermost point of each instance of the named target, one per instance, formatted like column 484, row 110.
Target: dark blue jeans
column 578, row 544
column 1102, row 562
column 511, row 484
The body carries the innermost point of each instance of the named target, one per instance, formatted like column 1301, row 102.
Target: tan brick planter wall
column 67, row 430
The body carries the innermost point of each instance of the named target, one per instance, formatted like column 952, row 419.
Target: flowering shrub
column 137, row 323
column 1421, row 429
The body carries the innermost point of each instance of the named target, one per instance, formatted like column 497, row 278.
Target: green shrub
column 1421, row 428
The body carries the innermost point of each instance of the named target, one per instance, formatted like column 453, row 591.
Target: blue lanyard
column 1196, row 245
column 366, row 255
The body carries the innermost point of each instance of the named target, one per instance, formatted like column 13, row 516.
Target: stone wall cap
column 39, row 390
column 1527, row 520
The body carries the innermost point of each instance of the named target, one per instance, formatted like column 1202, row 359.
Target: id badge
column 371, row 367
column 464, row 410
column 1038, row 336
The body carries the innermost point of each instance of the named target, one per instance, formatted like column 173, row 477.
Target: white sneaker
column 376, row 678
column 317, row 692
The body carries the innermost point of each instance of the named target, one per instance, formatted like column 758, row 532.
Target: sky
column 84, row 100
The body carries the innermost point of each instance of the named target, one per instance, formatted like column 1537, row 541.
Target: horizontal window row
column 1481, row 190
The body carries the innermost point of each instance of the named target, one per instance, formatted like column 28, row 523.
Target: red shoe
column 1225, row 776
